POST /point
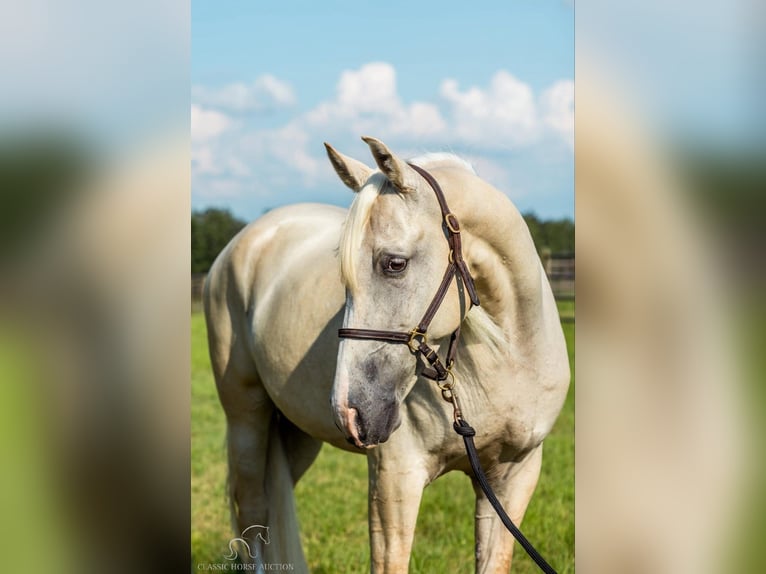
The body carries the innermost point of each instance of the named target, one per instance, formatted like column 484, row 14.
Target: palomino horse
column 276, row 298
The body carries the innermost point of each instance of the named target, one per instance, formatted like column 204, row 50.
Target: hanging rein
column 441, row 372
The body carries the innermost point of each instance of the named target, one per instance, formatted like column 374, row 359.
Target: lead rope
column 445, row 379
column 466, row 431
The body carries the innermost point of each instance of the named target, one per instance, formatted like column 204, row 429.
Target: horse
column 279, row 292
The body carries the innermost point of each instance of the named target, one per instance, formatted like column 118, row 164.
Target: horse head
column 393, row 256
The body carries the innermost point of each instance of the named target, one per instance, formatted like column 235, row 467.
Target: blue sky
column 271, row 83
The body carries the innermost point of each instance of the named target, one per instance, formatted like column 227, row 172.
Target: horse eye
column 394, row 265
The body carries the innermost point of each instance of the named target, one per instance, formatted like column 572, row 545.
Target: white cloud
column 367, row 102
column 371, row 89
column 212, row 160
column 210, row 133
column 419, row 119
column 557, row 104
column 265, row 93
column 203, row 161
column 288, row 145
column 276, row 156
column 280, row 92
column 207, row 124
column 502, row 115
column 485, row 121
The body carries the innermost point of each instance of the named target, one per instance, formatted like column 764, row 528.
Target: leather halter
column 417, row 339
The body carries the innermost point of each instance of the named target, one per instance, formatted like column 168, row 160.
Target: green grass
column 566, row 310
column 332, row 496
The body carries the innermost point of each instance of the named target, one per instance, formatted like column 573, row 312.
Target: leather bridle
column 417, row 339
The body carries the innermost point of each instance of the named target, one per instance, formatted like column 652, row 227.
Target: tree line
column 554, row 235
column 213, row 228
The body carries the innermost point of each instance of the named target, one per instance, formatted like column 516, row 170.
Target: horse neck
column 509, row 276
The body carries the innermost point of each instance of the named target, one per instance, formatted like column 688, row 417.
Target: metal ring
column 447, row 385
column 453, row 228
column 413, row 336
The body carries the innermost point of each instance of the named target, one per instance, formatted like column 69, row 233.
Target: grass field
column 332, row 496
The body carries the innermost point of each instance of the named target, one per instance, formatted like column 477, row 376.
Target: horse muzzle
column 368, row 425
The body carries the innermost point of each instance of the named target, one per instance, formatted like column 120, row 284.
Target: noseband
column 417, row 339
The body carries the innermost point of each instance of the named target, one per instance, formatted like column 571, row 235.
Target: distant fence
column 560, row 269
column 197, row 282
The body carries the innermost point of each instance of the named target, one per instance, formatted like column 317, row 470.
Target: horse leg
column 260, row 482
column 247, row 406
column 513, row 484
column 267, row 454
column 249, row 421
column 395, row 490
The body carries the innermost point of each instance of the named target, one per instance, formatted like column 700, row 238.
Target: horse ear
column 397, row 171
column 351, row 172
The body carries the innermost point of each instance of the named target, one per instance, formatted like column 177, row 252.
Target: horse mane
column 478, row 326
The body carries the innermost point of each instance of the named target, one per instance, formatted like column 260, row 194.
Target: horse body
column 279, row 261
column 274, row 301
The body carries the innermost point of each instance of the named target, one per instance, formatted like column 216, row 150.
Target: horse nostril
column 354, row 430
column 360, row 431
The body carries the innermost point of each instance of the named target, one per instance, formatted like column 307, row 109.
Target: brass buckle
column 448, row 222
column 414, row 334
